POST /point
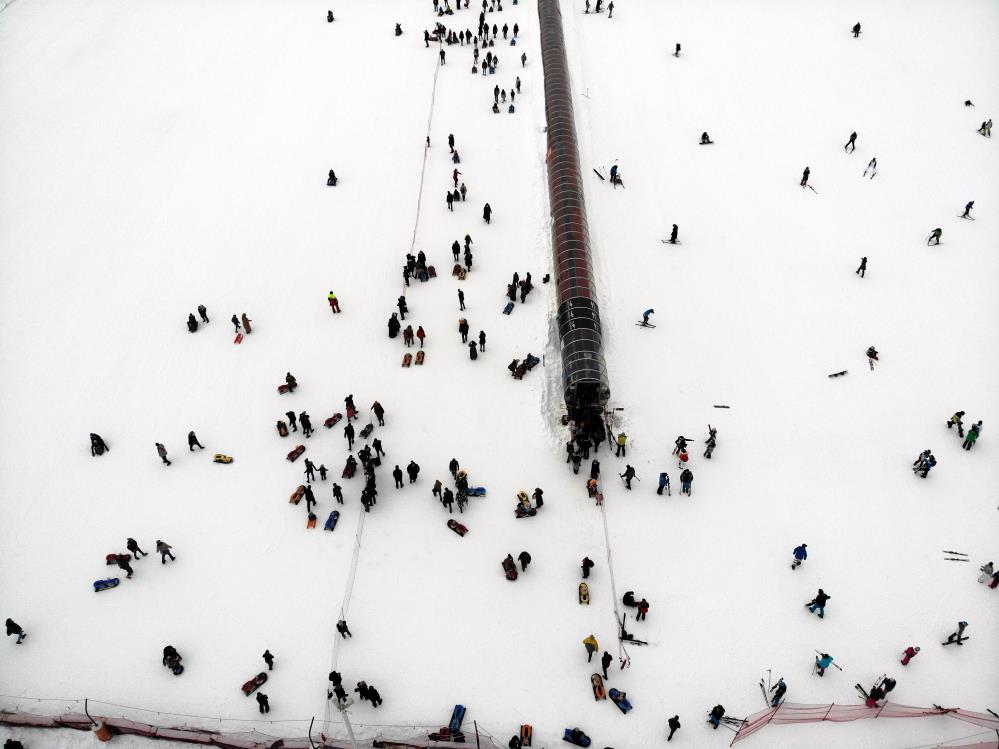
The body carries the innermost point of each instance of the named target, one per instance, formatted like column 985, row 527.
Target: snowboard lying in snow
column 619, row 699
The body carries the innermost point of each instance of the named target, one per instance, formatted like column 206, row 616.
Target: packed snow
column 162, row 155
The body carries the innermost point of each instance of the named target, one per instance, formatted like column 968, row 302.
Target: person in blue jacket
column 800, row 555
column 645, row 316
column 663, row 484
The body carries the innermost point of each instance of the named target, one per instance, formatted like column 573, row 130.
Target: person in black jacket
column 605, row 660
column 674, row 722
column 341, row 627
column 13, row 628
column 413, row 470
column 587, row 566
column 487, row 213
column 192, row 440
column 374, row 697
column 262, row 703
column 348, row 433
column 268, row 659
column 525, row 559
column 306, row 423
column 397, row 475
column 819, row 602
column 98, row 446
column 453, row 467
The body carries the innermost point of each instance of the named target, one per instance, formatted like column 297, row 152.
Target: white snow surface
column 159, row 155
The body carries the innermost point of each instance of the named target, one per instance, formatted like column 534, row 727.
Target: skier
column 663, row 484
column 622, row 442
column 804, row 176
column 235, row 321
column 705, row 138
column 778, row 689
column 674, row 722
column 628, row 475
column 397, row 475
column 163, row 549
column 133, row 546
column 605, row 660
column 872, row 356
column 677, row 53
column 710, row 442
column 203, row 313
column 645, row 317
column 935, row 235
column 192, row 440
column 856, row 30
column 192, row 324
column 715, row 716
column 262, row 703
column 872, row 167
column 908, row 654
column 525, row 559
column 956, row 636
column 461, row 294
column 800, row 555
column 290, row 381
column 591, row 645
column 122, row 561
column 306, row 421
column 863, row 267
column 487, row 212
column 331, row 180
column 268, row 659
column 967, row 209
column 97, row 445
column 988, row 570
column 643, row 610
column 686, row 481
column 413, row 470
column 292, row 420
column 819, row 602
column 852, row 143
column 246, row 323
column 972, row 437
column 341, row 627
column 822, row 662
column 673, row 234
column 161, row 451
column 334, row 302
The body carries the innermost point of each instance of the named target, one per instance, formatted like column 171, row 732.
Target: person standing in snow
column 13, row 628
column 710, row 442
column 449, row 197
column 334, row 302
column 852, row 143
column 343, row 629
column 161, row 451
column 133, row 546
column 804, row 176
column 587, row 565
column 674, row 234
column 591, row 645
column 646, row 315
column 246, row 323
column 525, row 559
column 268, row 659
column 908, row 654
column 306, row 421
column 643, row 610
column 686, row 481
column 988, row 570
column 310, row 470
column 337, row 493
column 487, row 213
column 663, row 484
column 872, row 167
column 956, row 636
column 872, row 356
column 292, row 420
column 628, row 475
column 967, row 209
column 192, row 440
column 800, row 555
column 863, row 267
column 348, row 433
column 310, row 498
column 605, row 660
column 203, row 312
column 935, row 237
column 322, row 472
column 262, row 703
column 674, row 722
column 461, row 294
column 397, row 475
column 822, row 662
column 818, row 603
column 956, row 420
column 122, row 561
column 856, row 30
column 163, row 549
column 622, row 443
column 778, row 689
column 972, row 437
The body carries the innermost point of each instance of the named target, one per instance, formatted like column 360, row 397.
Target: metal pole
column 311, row 742
column 476, row 734
column 350, row 728
column 87, row 712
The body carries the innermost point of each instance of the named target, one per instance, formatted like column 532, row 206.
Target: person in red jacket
column 643, row 609
column 908, row 654
column 421, row 334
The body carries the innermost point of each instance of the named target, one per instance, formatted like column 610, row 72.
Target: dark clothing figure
column 818, row 603
column 487, row 213
column 954, row 636
column 292, row 420
column 967, row 209
column 643, row 610
column 373, row 697
column 804, row 176
column 397, row 475
column 268, row 659
column 163, row 549
column 453, row 467
column 674, row 722
column 461, row 294
column 306, row 422
column 338, row 493
column 161, row 451
column 122, row 561
column 133, row 546
column 262, row 703
column 851, row 144
column 587, row 565
column 192, row 440
column 856, row 30
column 605, row 660
column 235, row 321
column 341, row 627
column 595, row 469
column 673, row 234
column 628, row 475
column 413, row 470
column 377, row 445
column 863, row 267
column 97, row 445
column 290, row 381
column 203, row 312
column 525, row 559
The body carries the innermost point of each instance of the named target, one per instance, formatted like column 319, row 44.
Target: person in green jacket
column 935, row 234
column 972, row 436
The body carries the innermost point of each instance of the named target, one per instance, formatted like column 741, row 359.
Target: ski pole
column 834, row 663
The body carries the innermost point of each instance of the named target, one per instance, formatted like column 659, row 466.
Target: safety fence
column 787, row 713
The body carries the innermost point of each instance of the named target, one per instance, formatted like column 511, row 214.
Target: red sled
column 296, row 453
column 348, row 472
column 510, row 568
column 454, row 525
column 407, row 360
column 239, row 338
column 432, row 271
column 420, row 356
column 254, row 684
column 311, row 522
column 333, row 420
column 283, row 389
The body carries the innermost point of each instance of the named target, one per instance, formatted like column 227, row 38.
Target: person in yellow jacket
column 622, row 440
column 334, row 303
column 591, row 645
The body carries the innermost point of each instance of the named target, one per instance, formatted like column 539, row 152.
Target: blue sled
column 476, row 491
column 456, row 717
column 508, row 309
column 576, row 736
column 331, row 520
column 111, row 582
column 620, row 700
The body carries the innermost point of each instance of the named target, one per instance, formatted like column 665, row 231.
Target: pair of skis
column 957, row 558
column 766, row 691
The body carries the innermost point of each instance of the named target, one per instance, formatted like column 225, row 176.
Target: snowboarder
column 235, row 321
column 161, row 451
column 334, row 302
column 967, row 209
column 341, row 627
column 268, row 659
column 163, row 549
column 935, row 236
column 605, row 660
column 622, row 442
column 663, row 484
column 413, row 470
column 956, row 636
column 133, row 546
column 646, row 315
column 819, row 602
column 591, row 645
column 674, row 722
column 262, row 703
column 192, row 440
column 525, row 559
column 822, row 662
column 800, row 555
column 856, row 30
column 122, row 561
column 972, row 437
column 306, row 421
column 246, row 323
column 97, row 445
column 686, row 481
column 778, row 689
column 203, row 313
column 643, row 610
column 852, row 143
column 804, row 176
column 908, row 654
column 628, row 475
column 292, row 420
column 863, row 267
column 487, row 213
column 397, row 475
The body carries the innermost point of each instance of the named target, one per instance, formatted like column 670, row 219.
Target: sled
column 296, row 496
column 508, row 309
column 457, row 270
column 510, row 568
column 420, row 356
column 311, row 522
column 407, row 360
column 331, row 521
column 221, row 458
column 296, row 453
column 284, row 389
column 475, row 491
column 282, row 429
column 431, row 271
column 348, row 472
column 177, row 669
column 333, row 420
column 457, row 715
column 457, row 527
column 254, row 684
column 576, row 736
column 620, row 700
column 838, row 374
column 366, row 432
column 526, row 734
column 238, row 338
column 598, row 687
column 584, row 594
column 111, row 582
